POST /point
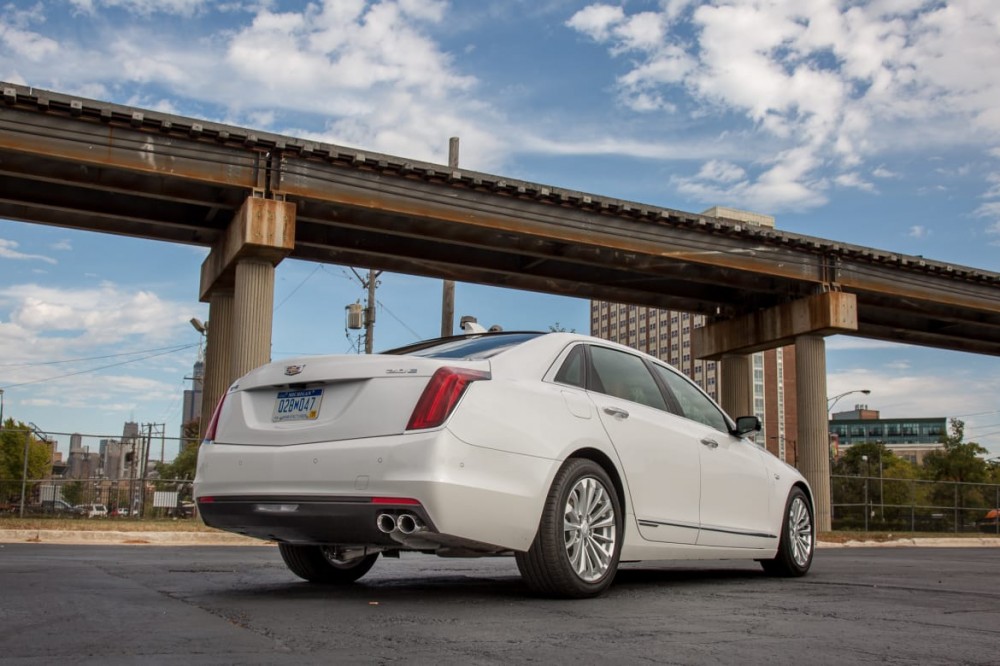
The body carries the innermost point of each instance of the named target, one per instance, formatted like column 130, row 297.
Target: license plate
column 297, row 405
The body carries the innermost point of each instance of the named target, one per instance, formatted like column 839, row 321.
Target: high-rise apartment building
column 666, row 334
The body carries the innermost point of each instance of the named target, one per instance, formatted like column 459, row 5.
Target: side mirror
column 746, row 425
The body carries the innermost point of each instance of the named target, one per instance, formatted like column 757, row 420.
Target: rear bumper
column 472, row 493
column 306, row 520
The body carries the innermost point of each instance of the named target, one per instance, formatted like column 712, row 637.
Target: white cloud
column 144, row 7
column 848, row 343
column 919, row 232
column 855, row 181
column 721, row 171
column 841, row 83
column 882, row 172
column 597, row 21
column 368, row 69
column 62, row 246
column 901, row 392
column 8, row 250
column 77, row 318
column 27, row 44
column 990, row 210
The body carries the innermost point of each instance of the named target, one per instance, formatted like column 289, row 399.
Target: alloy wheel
column 589, row 529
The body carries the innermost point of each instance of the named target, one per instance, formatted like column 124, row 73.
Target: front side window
column 624, row 376
column 693, row 403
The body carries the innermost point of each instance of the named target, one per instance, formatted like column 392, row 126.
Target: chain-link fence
column 859, row 503
column 98, row 498
column 880, row 504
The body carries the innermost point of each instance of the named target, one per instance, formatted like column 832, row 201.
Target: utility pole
column 370, row 312
column 147, row 441
column 448, row 288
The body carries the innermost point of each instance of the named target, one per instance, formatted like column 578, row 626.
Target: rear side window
column 470, row 348
column 574, row 370
column 624, row 376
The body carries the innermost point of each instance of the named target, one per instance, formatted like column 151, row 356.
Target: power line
column 401, row 322
column 292, row 293
column 93, row 358
column 103, row 367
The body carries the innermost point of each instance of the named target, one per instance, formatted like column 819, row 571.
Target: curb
column 968, row 542
column 117, row 538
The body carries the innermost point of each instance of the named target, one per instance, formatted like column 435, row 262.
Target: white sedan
column 569, row 452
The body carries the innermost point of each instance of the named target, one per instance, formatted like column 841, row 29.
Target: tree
column 183, row 466
column 883, row 480
column 961, row 462
column 557, row 328
column 72, row 492
column 12, row 452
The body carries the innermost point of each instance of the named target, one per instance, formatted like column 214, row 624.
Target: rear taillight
column 214, row 423
column 441, row 395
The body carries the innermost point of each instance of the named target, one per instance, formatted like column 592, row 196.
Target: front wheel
column 575, row 553
column 798, row 539
column 321, row 564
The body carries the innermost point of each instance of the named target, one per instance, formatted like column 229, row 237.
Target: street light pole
column 830, row 402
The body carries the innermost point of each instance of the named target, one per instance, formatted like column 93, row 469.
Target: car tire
column 798, row 538
column 575, row 552
column 313, row 564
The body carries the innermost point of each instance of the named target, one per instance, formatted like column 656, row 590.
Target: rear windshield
column 470, row 347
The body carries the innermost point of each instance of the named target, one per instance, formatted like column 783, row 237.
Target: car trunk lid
column 328, row 398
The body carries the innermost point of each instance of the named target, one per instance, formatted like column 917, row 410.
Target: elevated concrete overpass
column 255, row 198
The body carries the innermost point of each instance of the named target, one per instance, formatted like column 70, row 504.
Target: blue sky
column 875, row 123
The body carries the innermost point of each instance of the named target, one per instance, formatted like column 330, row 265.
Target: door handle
column 710, row 443
column 616, row 412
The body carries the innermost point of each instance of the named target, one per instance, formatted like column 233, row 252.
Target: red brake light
column 395, row 500
column 214, row 423
column 441, row 395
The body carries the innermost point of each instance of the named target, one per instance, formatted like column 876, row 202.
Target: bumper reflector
column 276, row 508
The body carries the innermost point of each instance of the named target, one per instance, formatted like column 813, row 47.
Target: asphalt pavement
column 230, row 605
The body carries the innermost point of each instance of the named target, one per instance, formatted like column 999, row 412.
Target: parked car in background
column 990, row 521
column 568, row 452
column 92, row 510
column 58, row 506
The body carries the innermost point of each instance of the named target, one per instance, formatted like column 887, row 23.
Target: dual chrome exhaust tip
column 404, row 523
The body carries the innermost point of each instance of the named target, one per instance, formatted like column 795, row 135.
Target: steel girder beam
column 117, row 169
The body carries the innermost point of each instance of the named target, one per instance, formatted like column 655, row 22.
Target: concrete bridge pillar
column 254, row 309
column 218, row 353
column 736, row 391
column 237, row 280
column 813, row 435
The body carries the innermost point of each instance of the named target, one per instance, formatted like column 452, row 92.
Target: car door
column 735, row 487
column 659, row 455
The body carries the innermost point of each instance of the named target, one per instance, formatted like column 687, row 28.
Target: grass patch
column 881, row 537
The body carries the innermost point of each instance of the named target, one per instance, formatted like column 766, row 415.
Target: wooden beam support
column 821, row 314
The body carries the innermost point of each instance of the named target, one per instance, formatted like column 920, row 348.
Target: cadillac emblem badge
column 294, row 369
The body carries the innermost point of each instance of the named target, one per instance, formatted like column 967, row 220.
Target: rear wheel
column 322, row 564
column 575, row 553
column 798, row 540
